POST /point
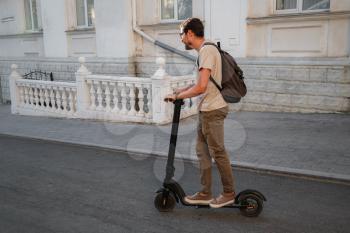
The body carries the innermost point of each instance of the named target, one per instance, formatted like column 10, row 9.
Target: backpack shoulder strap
column 211, row 43
column 215, row 83
column 211, row 78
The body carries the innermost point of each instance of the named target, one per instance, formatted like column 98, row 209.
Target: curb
column 259, row 168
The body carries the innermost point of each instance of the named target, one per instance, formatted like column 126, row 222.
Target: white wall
column 340, row 5
column 15, row 41
column 260, row 8
column 14, row 12
column 114, row 35
column 325, row 34
column 225, row 22
column 82, row 43
column 54, row 26
column 311, row 39
column 22, row 46
column 147, row 12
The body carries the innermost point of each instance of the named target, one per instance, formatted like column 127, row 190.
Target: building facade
column 295, row 53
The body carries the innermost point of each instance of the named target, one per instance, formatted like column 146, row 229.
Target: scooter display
column 249, row 202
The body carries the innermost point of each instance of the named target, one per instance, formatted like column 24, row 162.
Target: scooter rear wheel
column 164, row 203
column 252, row 205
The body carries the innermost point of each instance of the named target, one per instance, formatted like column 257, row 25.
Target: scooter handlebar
column 179, row 101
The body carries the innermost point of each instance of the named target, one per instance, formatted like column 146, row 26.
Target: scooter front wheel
column 251, row 205
column 164, row 203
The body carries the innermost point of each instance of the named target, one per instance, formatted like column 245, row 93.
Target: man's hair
column 193, row 24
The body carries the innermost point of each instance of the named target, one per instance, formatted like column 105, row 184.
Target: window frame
column 298, row 9
column 32, row 29
column 86, row 16
column 176, row 13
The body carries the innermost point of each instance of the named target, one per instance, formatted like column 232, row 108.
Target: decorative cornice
column 81, row 31
column 281, row 18
column 23, row 35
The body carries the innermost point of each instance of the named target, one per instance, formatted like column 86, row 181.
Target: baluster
column 115, row 98
column 36, row 97
column 92, row 95
column 31, row 97
column 184, row 108
column 99, row 96
column 132, row 111
column 47, row 98
column 21, row 96
column 74, row 100
column 41, row 97
column 40, row 103
column 64, row 100
column 52, row 99
column 108, row 96
column 70, row 101
column 185, row 84
column 123, row 96
column 141, row 100
column 58, row 100
column 149, row 101
column 26, row 95
column 188, row 104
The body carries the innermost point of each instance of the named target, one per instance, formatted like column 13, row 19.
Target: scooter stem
column 170, row 169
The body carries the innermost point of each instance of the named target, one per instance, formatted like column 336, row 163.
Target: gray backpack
column 232, row 87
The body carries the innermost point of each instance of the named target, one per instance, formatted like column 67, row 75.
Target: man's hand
column 170, row 98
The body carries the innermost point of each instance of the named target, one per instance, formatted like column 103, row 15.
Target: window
column 172, row 10
column 31, row 15
column 85, row 13
column 316, row 5
column 295, row 6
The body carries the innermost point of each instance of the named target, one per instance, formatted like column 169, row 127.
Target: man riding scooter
column 212, row 111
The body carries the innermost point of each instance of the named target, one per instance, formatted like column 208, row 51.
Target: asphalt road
column 51, row 187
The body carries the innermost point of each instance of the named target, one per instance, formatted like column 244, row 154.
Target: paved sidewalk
column 312, row 145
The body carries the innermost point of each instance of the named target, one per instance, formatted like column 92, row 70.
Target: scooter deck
column 208, row 206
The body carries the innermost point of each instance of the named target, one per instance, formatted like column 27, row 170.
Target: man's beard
column 187, row 47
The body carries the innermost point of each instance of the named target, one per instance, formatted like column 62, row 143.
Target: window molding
column 86, row 17
column 297, row 10
column 32, row 29
column 89, row 30
column 36, row 34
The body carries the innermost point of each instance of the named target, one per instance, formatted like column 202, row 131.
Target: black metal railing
column 39, row 75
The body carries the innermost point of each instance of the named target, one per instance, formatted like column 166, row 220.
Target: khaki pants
column 210, row 144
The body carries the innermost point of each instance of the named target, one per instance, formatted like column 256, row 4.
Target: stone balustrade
column 111, row 98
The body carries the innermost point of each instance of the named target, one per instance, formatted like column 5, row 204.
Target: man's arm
column 179, row 90
column 195, row 90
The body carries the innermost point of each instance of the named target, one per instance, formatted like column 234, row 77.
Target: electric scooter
column 249, row 202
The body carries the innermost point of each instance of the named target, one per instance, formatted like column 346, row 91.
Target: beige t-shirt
column 211, row 99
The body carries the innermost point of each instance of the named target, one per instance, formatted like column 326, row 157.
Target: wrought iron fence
column 39, row 75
